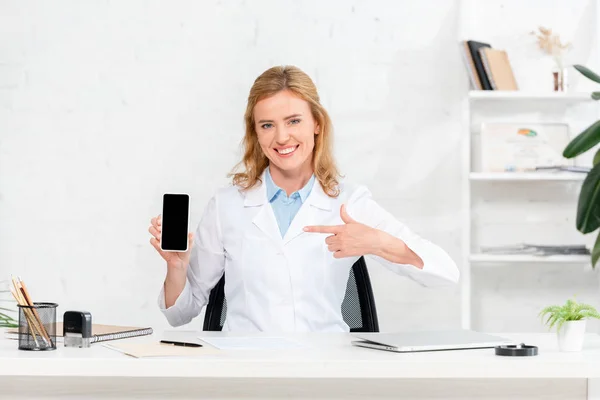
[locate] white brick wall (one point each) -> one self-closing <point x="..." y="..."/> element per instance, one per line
<point x="105" y="105"/>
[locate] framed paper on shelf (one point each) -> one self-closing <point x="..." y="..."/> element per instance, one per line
<point x="521" y="147"/>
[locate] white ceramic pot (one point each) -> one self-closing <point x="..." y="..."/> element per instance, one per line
<point x="570" y="335"/>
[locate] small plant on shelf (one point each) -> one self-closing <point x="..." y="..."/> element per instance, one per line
<point x="551" y="44"/>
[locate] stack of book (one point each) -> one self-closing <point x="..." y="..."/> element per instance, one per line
<point x="488" y="68"/>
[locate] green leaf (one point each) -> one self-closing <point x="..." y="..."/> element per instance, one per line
<point x="596" y="95"/>
<point x="597" y="158"/>
<point x="588" y="73"/>
<point x="588" y="207"/>
<point x="549" y="309"/>
<point x="570" y="304"/>
<point x="596" y="251"/>
<point x="592" y="314"/>
<point x="583" y="307"/>
<point x="584" y="141"/>
<point x="6" y="317"/>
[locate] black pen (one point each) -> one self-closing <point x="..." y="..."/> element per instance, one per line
<point x="181" y="343"/>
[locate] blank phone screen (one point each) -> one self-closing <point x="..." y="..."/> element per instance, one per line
<point x="175" y="222"/>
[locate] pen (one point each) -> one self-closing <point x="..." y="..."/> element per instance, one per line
<point x="181" y="343"/>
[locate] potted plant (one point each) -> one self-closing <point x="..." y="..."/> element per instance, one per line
<point x="588" y="207"/>
<point x="570" y="320"/>
<point x="550" y="43"/>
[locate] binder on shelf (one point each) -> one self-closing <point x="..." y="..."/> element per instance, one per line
<point x="497" y="68"/>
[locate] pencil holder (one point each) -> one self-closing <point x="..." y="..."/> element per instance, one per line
<point x="37" y="326"/>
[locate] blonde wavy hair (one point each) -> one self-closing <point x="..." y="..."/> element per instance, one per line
<point x="270" y="82"/>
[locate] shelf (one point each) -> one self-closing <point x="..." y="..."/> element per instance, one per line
<point x="568" y="97"/>
<point x="524" y="258"/>
<point x="527" y="176"/>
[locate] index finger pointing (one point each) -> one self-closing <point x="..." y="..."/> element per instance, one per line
<point x="323" y="228"/>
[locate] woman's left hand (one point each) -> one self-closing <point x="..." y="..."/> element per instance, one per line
<point x="351" y="239"/>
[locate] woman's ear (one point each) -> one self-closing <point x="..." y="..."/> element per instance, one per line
<point x="317" y="129"/>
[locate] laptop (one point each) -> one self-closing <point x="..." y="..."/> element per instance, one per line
<point x="429" y="340"/>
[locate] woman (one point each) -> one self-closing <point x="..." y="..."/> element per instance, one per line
<point x="288" y="231"/>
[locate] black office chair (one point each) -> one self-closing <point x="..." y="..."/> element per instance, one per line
<point x="358" y="307"/>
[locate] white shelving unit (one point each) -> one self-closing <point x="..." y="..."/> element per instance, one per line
<point x="482" y="105"/>
<point x="527" y="176"/>
<point x="494" y="95"/>
<point x="518" y="258"/>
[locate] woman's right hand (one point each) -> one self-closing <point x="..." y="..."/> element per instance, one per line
<point x="178" y="260"/>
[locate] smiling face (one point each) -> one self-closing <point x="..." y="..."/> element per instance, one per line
<point x="286" y="130"/>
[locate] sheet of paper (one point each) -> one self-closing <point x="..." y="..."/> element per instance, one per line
<point x="154" y="349"/>
<point x="251" y="343"/>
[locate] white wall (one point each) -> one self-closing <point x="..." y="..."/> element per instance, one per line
<point x="106" y="105"/>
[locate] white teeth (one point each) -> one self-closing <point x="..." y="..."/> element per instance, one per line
<point x="286" y="151"/>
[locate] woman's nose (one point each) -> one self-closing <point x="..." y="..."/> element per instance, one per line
<point x="282" y="134"/>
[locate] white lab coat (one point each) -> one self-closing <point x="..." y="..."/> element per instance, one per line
<point x="292" y="283"/>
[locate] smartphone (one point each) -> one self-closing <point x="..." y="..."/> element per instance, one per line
<point x="175" y="217"/>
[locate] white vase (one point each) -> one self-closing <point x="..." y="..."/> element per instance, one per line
<point x="570" y="335"/>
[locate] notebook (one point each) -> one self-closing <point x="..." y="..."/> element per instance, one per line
<point x="100" y="333"/>
<point x="497" y="68"/>
<point x="474" y="48"/>
<point x="470" y="64"/>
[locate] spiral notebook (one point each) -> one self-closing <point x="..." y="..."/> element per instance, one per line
<point x="100" y="333"/>
<point x="105" y="332"/>
<point x="498" y="69"/>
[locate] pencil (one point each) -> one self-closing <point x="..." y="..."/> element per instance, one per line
<point x="33" y="318"/>
<point x="37" y="316"/>
<point x="27" y="316"/>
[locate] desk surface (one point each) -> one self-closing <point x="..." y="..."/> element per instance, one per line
<point x="325" y="356"/>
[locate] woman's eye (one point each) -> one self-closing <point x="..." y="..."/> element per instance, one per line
<point x="294" y="121"/>
<point x="266" y="126"/>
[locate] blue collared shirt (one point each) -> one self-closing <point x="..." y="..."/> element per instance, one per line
<point x="285" y="208"/>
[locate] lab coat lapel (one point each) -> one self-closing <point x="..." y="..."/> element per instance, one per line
<point x="265" y="218"/>
<point x="307" y="214"/>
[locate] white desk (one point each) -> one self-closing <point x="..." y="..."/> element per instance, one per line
<point x="329" y="367"/>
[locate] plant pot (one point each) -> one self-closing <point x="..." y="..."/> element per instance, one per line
<point x="570" y="335"/>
